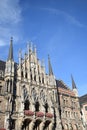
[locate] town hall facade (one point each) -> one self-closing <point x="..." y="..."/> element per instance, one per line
<point x="30" y="99"/>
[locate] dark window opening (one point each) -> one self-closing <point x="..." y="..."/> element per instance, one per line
<point x="86" y="108"/>
<point x="37" y="106"/>
<point x="0" y="89"/>
<point x="26" y="75"/>
<point x="22" y="74"/>
<point x="35" y="78"/>
<point x="46" y="107"/>
<point x="43" y="80"/>
<point x="39" y="79"/>
<point x="13" y="124"/>
<point x="31" y="76"/>
<point x="26" y="105"/>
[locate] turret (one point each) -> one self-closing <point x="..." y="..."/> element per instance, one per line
<point x="74" y="88"/>
<point x="51" y="75"/>
<point x="9" y="70"/>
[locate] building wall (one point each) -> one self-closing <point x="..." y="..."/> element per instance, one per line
<point x="31" y="100"/>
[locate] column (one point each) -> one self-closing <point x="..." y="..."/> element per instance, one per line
<point x="31" y="126"/>
<point x="50" y="126"/>
<point x="42" y="125"/>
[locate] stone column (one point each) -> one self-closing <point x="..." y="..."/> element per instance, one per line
<point x="42" y="125"/>
<point x="51" y="126"/>
<point x="31" y="126"/>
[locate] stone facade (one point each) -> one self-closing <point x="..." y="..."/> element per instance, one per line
<point x="83" y="103"/>
<point x="30" y="99"/>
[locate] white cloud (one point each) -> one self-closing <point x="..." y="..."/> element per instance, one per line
<point x="67" y="16"/>
<point x="10" y="18"/>
<point x="10" y="11"/>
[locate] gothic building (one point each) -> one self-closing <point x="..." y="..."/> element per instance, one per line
<point x="30" y="99"/>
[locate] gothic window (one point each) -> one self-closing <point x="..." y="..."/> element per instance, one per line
<point x="71" y="128"/>
<point x="37" y="106"/>
<point x="26" y="75"/>
<point x="25" y="93"/>
<point x="0" y="89"/>
<point x="75" y="127"/>
<point x="10" y="85"/>
<point x="26" y="105"/>
<point x="86" y="108"/>
<point x="35" y="78"/>
<point x="22" y="74"/>
<point x="42" y="95"/>
<point x="13" y="124"/>
<point x="66" y="127"/>
<point x="34" y="94"/>
<point x="14" y="106"/>
<point x="31" y="76"/>
<point x="39" y="79"/>
<point x="46" y="107"/>
<point x="7" y="84"/>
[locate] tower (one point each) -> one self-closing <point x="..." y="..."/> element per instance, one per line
<point x="9" y="70"/>
<point x="9" y="87"/>
<point x="74" y="88"/>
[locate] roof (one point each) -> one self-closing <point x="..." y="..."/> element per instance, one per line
<point x="2" y="65"/>
<point x="61" y="84"/>
<point x="83" y="99"/>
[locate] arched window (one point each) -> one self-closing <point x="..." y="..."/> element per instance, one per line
<point x="71" y="128"/>
<point x="7" y="85"/>
<point x="75" y="127"/>
<point x="22" y="74"/>
<point x="46" y="107"/>
<point x="10" y="85"/>
<point x="37" y="106"/>
<point x="66" y="127"/>
<point x="26" y="75"/>
<point x="34" y="77"/>
<point x="26" y="105"/>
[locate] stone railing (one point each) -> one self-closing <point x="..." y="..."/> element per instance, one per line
<point x="28" y="112"/>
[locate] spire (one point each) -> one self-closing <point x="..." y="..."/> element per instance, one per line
<point x="10" y="56"/>
<point x="50" y="67"/>
<point x="73" y="83"/>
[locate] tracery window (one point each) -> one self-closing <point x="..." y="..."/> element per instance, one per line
<point x="34" y="94"/>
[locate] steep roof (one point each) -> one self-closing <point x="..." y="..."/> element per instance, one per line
<point x="2" y="65"/>
<point x="61" y="84"/>
<point x="83" y="99"/>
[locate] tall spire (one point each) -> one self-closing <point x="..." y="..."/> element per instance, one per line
<point x="50" y="67"/>
<point x="10" y="56"/>
<point x="73" y="83"/>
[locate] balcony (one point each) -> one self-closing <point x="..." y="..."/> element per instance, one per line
<point x="49" y="115"/>
<point x="39" y="114"/>
<point x="28" y="112"/>
<point x="2" y="129"/>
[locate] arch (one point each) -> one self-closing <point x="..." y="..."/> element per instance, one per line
<point x="26" y="105"/>
<point x="66" y="127"/>
<point x="70" y="127"/>
<point x="75" y="127"/>
<point x="46" y="107"/>
<point x="37" y="106"/>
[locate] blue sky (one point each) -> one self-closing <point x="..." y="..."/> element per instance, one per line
<point x="56" y="27"/>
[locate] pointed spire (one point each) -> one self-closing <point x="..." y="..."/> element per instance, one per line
<point x="10" y="56"/>
<point x="73" y="83"/>
<point x="50" y="67"/>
